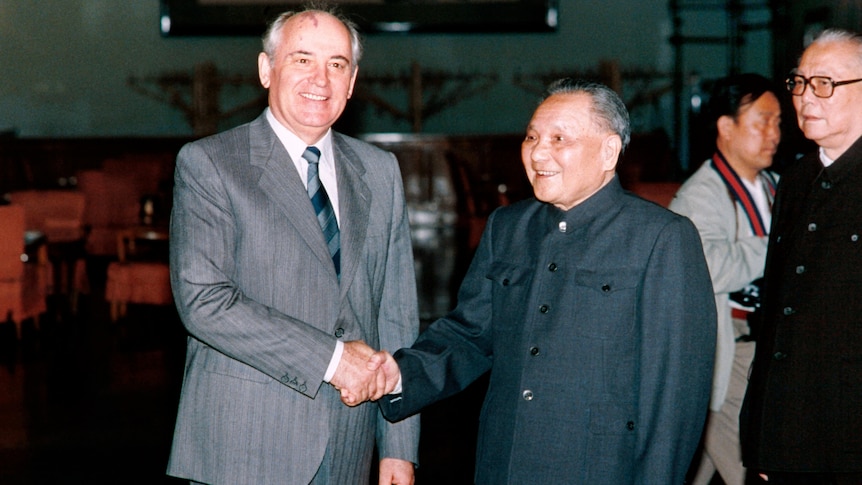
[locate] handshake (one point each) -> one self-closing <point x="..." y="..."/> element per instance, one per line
<point x="364" y="374"/>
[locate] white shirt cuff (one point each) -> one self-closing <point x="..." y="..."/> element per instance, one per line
<point x="397" y="389"/>
<point x="334" y="361"/>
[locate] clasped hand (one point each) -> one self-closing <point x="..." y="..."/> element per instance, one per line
<point x="364" y="374"/>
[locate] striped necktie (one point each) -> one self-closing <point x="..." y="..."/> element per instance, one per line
<point x="323" y="207"/>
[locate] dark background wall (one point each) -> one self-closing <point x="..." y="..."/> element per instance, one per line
<point x="66" y="66"/>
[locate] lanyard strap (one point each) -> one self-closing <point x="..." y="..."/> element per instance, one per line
<point x="740" y="193"/>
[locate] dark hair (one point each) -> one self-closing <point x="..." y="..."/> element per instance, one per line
<point x="732" y="93"/>
<point x="609" y="110"/>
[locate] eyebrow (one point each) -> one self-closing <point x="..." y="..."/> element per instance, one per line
<point x="311" y="54"/>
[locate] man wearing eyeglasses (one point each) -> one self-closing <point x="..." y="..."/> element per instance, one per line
<point x="801" y="422"/>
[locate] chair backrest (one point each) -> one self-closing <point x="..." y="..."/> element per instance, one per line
<point x="11" y="242"/>
<point x="59" y="214"/>
<point x="149" y="172"/>
<point x="659" y="192"/>
<point x="113" y="198"/>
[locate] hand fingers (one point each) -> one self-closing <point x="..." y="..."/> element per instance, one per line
<point x="380" y="386"/>
<point x="348" y="398"/>
<point x="376" y="360"/>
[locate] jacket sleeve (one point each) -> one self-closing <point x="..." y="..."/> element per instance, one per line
<point x="213" y="308"/>
<point x="678" y="328"/>
<point x="398" y="323"/>
<point x="455" y="350"/>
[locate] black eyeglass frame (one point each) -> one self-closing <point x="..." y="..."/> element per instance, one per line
<point x="791" y="83"/>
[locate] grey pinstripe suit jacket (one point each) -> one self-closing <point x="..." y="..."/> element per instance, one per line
<point x="257" y="291"/>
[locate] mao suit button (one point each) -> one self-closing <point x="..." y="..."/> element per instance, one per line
<point x="506" y="282"/>
<point x="854" y="237"/>
<point x="544" y="309"/>
<point x="339" y="332"/>
<point x="528" y="395"/>
<point x="562" y="226"/>
<point x="800" y="269"/>
<point x="788" y="311"/>
<point x="606" y="288"/>
<point x="826" y="184"/>
<point x="779" y="356"/>
<point x="812" y="227"/>
<point x="534" y="351"/>
<point x="552" y="267"/>
<point x="630" y="426"/>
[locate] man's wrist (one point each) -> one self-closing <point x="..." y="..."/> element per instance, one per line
<point x="334" y="361"/>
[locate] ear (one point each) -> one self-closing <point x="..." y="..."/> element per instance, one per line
<point x="352" y="82"/>
<point x="263" y="69"/>
<point x="724" y="124"/>
<point x="611" y="148"/>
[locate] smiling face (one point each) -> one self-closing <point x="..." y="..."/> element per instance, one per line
<point x="311" y="74"/>
<point x="567" y="156"/>
<point x="749" y="141"/>
<point x="834" y="123"/>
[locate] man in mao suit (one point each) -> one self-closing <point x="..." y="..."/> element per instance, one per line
<point x="592" y="309"/>
<point x="273" y="313"/>
<point x="801" y="420"/>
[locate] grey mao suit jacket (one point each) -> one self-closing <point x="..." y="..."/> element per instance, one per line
<point x="257" y="291"/>
<point x="598" y="327"/>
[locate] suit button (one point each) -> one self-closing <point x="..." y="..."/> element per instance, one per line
<point x="779" y="356"/>
<point x="339" y="332"/>
<point x="630" y="426"/>
<point x="826" y="184"/>
<point x="800" y="269"/>
<point x="812" y="227"/>
<point x="534" y="351"/>
<point x="544" y="309"/>
<point x="528" y="395"/>
<point x="552" y="267"/>
<point x="606" y="288"/>
<point x="788" y="311"/>
<point x="506" y="282"/>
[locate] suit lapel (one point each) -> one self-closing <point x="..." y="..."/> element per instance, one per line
<point x="354" y="207"/>
<point x="281" y="183"/>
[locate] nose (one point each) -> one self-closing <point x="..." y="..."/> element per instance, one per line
<point x="808" y="94"/>
<point x="774" y="133"/>
<point x="540" y="148"/>
<point x="320" y="76"/>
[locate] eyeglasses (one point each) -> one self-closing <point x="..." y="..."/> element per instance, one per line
<point x="822" y="86"/>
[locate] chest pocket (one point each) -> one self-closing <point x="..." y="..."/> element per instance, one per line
<point x="603" y="303"/>
<point x="507" y="274"/>
<point x="510" y="286"/>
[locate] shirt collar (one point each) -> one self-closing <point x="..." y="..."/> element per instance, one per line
<point x="825" y="160"/>
<point x="295" y="146"/>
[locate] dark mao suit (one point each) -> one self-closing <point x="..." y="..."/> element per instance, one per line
<point x="598" y="327"/>
<point x="803" y="408"/>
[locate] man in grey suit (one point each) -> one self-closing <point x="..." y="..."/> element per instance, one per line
<point x="592" y="309"/>
<point x="285" y="259"/>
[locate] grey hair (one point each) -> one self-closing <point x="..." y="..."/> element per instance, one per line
<point x="271" y="38"/>
<point x="840" y="35"/>
<point x="609" y="110"/>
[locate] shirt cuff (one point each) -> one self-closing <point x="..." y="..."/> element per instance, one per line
<point x="334" y="361"/>
<point x="397" y="389"/>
